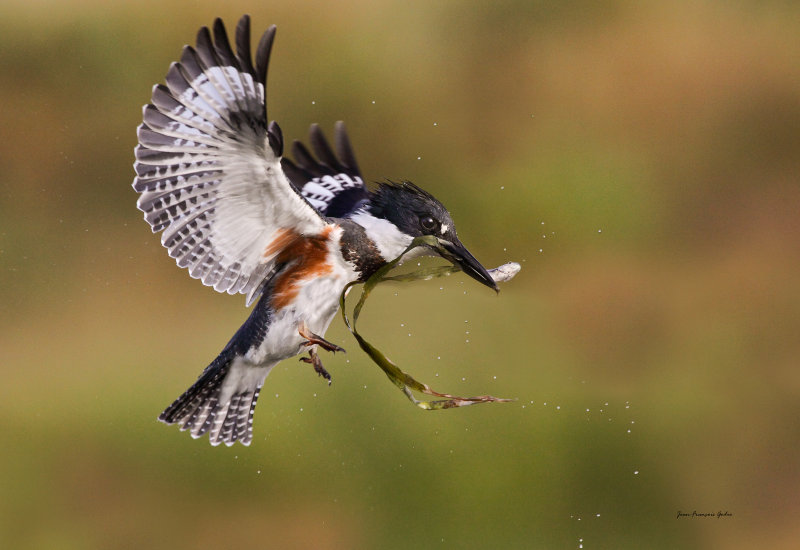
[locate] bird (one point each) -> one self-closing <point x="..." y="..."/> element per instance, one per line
<point x="243" y="218"/>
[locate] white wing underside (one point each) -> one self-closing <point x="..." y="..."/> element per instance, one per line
<point x="209" y="177"/>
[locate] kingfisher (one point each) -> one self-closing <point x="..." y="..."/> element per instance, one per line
<point x="244" y="219"/>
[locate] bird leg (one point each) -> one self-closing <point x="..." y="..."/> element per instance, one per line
<point x="317" y="364"/>
<point x="312" y="339"/>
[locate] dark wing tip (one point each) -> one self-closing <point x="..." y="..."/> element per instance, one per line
<point x="344" y="147"/>
<point x="326" y="161"/>
<point x="203" y="40"/>
<point x="243" y="50"/>
<point x="305" y="160"/>
<point x="263" y="52"/>
<point x="322" y="149"/>
<point x="223" y="45"/>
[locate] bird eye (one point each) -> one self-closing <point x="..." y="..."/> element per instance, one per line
<point x="427" y="223"/>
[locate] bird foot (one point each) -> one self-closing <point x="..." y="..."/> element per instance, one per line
<point x="314" y="339"/>
<point x="317" y="364"/>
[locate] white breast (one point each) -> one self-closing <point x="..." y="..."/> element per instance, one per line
<point x="316" y="304"/>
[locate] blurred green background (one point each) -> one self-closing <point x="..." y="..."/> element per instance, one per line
<point x="640" y="159"/>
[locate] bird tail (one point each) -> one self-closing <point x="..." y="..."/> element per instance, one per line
<point x="220" y="403"/>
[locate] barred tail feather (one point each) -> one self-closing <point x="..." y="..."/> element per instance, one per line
<point x="220" y="403"/>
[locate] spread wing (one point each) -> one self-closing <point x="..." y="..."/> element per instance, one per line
<point x="208" y="165"/>
<point x="333" y="185"/>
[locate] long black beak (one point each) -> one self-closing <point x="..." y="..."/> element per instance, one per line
<point x="461" y="257"/>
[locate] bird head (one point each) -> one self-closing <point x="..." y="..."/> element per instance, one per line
<point x="404" y="211"/>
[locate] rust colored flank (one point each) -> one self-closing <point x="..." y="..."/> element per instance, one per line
<point x="306" y="258"/>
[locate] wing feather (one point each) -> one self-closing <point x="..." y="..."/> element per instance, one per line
<point x="263" y="52"/>
<point x="243" y="47"/>
<point x="208" y="166"/>
<point x="322" y="149"/>
<point x="331" y="183"/>
<point x="345" y="149"/>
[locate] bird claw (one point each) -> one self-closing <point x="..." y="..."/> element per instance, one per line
<point x="314" y="339"/>
<point x="315" y="361"/>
